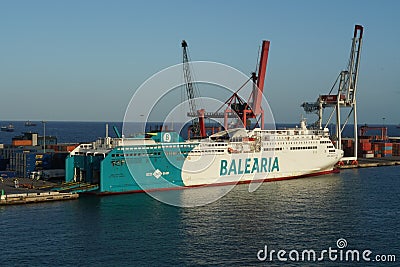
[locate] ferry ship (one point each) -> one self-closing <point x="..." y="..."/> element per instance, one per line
<point x="164" y="161"/>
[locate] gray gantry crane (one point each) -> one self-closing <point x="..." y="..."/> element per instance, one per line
<point x="345" y="98"/>
<point x="198" y="124"/>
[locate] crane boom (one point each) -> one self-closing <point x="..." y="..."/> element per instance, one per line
<point x="258" y="91"/>
<point x="188" y="78"/>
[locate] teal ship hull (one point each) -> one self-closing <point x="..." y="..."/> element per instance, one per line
<point x="132" y="168"/>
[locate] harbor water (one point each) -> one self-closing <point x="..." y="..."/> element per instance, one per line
<point x="359" y="207"/>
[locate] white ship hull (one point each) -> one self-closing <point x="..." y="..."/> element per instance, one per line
<point x="286" y="154"/>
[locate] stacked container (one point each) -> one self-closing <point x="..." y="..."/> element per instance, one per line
<point x="382" y="149"/>
<point x="365" y="148"/>
<point x="63" y="147"/>
<point x="375" y="148"/>
<point x="25" y="163"/>
<point x="387" y="150"/>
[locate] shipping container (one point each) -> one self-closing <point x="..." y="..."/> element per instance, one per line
<point x="21" y="142"/>
<point x="71" y="147"/>
<point x="368" y="156"/>
<point x="365" y="146"/>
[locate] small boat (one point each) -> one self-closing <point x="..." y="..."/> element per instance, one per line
<point x="29" y="123"/>
<point x="8" y="128"/>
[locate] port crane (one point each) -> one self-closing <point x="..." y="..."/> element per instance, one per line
<point x="198" y="125"/>
<point x="344" y="98"/>
<point x="236" y="106"/>
<point x="251" y="109"/>
<point x="383" y="132"/>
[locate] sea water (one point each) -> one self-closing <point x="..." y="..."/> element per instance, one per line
<point x="360" y="206"/>
<point x="355" y="210"/>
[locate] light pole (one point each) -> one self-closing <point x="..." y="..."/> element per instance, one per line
<point x="44" y="137"/>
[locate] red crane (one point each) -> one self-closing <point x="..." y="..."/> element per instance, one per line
<point x="258" y="90"/>
<point x="252" y="109"/>
<point x="235" y="106"/>
<point x="383" y="130"/>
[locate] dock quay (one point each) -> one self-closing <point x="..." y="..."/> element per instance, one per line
<point x="373" y="162"/>
<point x="10" y="199"/>
<point x="32" y="191"/>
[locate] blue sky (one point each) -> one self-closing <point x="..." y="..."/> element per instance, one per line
<point x="83" y="60"/>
